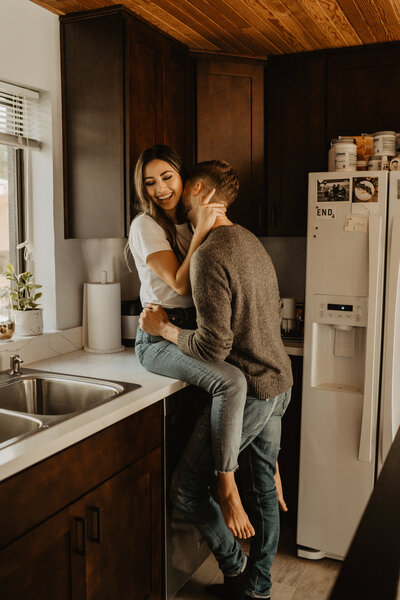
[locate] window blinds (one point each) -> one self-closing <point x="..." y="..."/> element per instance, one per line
<point x="19" y="116"/>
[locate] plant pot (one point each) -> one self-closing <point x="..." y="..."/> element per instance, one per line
<point x="29" y="322"/>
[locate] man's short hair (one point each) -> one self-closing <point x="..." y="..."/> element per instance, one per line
<point x="220" y="175"/>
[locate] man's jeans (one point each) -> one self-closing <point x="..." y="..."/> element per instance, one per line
<point x="190" y="490"/>
<point x="226" y="384"/>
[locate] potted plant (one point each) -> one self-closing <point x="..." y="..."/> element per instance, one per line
<point x="24" y="294"/>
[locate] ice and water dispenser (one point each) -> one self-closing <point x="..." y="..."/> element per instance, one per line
<point x="338" y="344"/>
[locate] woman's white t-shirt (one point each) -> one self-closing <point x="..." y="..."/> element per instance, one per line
<point x="146" y="236"/>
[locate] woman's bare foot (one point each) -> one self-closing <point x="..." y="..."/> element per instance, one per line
<point x="231" y="505"/>
<point x="279" y="490"/>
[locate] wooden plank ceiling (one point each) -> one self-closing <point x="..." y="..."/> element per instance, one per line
<point x="259" y="28"/>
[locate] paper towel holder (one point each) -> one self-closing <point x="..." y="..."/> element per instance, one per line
<point x="100" y="335"/>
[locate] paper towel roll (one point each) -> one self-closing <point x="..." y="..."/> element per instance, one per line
<point x="102" y="318"/>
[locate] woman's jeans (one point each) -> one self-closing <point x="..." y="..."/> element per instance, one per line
<point x="190" y="490"/>
<point x="226" y="384"/>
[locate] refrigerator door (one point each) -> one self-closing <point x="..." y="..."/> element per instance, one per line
<point x="390" y="394"/>
<point x="342" y="352"/>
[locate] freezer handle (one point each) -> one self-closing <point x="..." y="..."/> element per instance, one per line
<point x="390" y="393"/>
<point x="372" y="351"/>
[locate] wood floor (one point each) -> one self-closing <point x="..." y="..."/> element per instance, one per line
<point x="293" y="578"/>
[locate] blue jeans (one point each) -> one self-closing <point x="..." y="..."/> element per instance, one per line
<point x="190" y="490"/>
<point x="226" y="384"/>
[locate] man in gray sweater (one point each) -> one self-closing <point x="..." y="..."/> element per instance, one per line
<point x="237" y="302"/>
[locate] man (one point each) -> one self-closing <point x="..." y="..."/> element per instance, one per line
<point x="237" y="302"/>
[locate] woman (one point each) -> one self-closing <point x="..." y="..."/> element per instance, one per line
<point x="162" y="244"/>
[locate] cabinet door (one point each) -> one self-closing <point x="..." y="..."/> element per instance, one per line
<point x="361" y="90"/>
<point x="124" y="547"/>
<point x="175" y="112"/>
<point x="156" y="94"/>
<point x="230" y="126"/>
<point x="49" y="562"/>
<point x="295" y="138"/>
<point x="143" y="89"/>
<point x="93" y="126"/>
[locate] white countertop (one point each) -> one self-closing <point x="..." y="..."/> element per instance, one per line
<point x="293" y="348"/>
<point x="122" y="367"/>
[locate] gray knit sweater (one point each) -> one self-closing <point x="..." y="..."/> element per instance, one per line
<point x="236" y="295"/>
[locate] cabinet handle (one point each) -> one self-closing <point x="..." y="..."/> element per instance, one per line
<point x="94" y="534"/>
<point x="80" y="536"/>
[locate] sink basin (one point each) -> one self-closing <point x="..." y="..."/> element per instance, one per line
<point x="13" y="426"/>
<point x="35" y="400"/>
<point x="54" y="395"/>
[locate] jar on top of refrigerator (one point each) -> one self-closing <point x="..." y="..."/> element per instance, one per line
<point x="385" y="143"/>
<point x="342" y="154"/>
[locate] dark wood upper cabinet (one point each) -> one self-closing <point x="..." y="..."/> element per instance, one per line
<point x="94" y="136"/>
<point x="296" y="140"/>
<point x="312" y="98"/>
<point x="124" y="89"/>
<point x="230" y="126"/>
<point x="362" y="90"/>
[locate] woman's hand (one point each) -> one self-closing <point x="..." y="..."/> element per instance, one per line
<point x="208" y="213"/>
<point x="166" y="265"/>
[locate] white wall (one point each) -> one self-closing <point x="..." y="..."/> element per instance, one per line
<point x="30" y="56"/>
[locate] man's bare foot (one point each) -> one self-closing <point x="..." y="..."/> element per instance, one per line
<point x="231" y="506"/>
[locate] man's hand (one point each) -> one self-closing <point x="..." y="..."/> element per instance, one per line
<point x="154" y="320"/>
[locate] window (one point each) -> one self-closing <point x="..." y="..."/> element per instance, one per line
<point x="19" y="125"/>
<point x="11" y="208"/>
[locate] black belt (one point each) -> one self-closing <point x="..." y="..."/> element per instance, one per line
<point x="182" y="317"/>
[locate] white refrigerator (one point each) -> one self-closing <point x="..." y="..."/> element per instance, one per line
<point x="351" y="373"/>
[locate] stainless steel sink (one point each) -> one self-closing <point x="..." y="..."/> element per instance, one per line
<point x="54" y="395"/>
<point x="15" y="426"/>
<point x="33" y="400"/>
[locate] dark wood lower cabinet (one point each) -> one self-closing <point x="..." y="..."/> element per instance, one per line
<point x="105" y="545"/>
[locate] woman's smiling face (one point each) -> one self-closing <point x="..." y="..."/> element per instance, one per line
<point x="163" y="185"/>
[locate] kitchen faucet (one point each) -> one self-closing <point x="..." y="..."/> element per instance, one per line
<point x="15" y="362"/>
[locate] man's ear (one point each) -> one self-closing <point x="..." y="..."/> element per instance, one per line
<point x="197" y="187"/>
